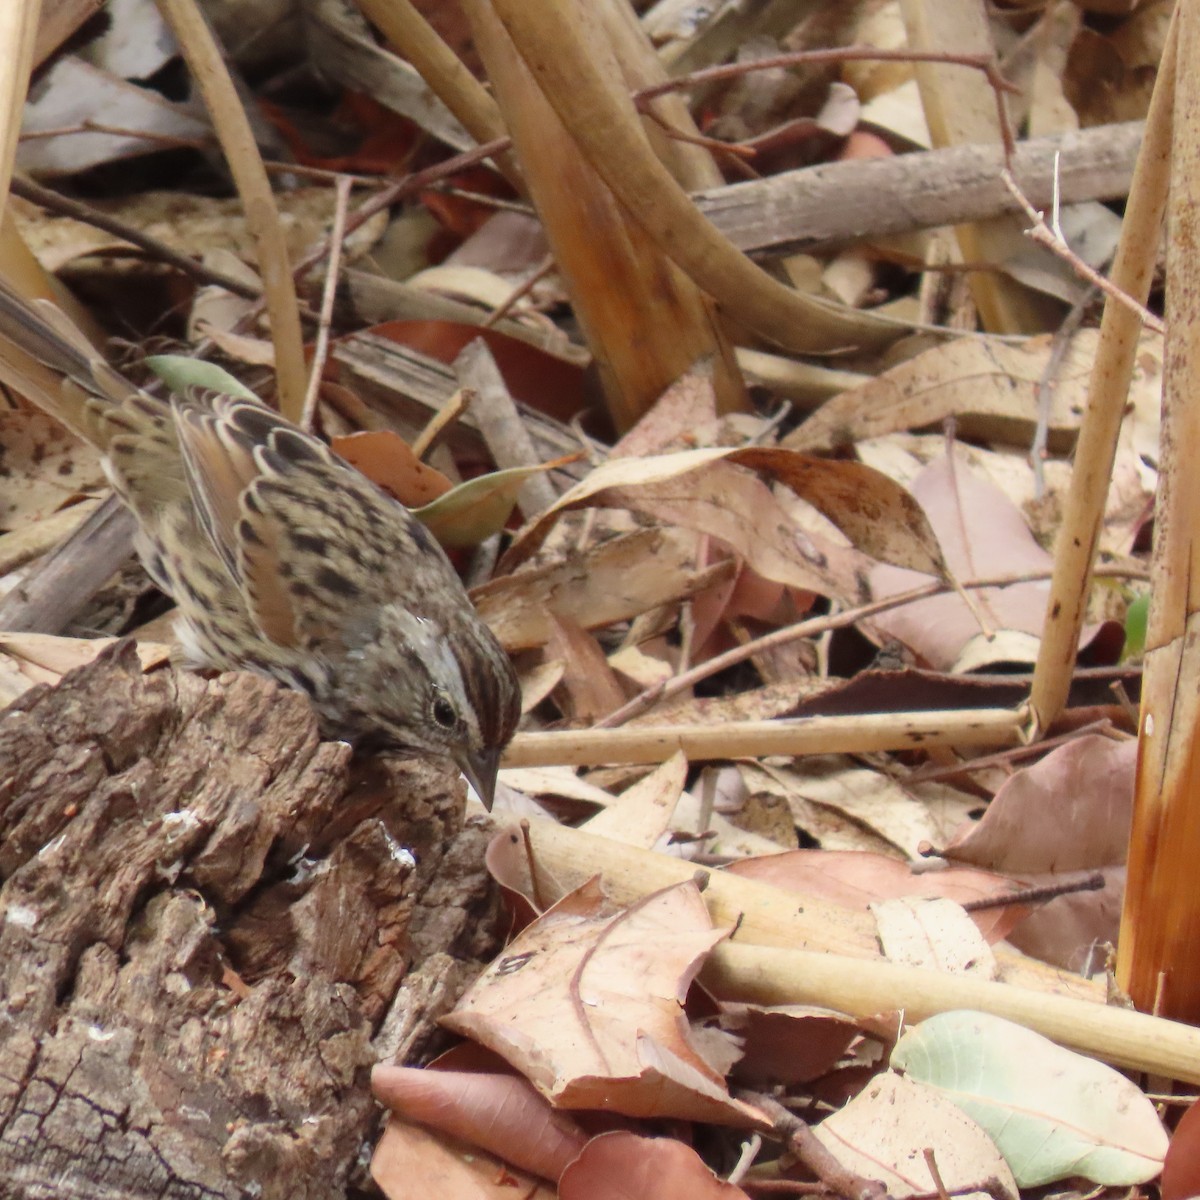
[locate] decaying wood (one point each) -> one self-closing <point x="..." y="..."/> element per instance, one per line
<point x="204" y="920"/>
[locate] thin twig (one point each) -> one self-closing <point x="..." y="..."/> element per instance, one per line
<point x="800" y="1140"/>
<point x="515" y="296"/>
<point x="1044" y="236"/>
<point x="1092" y="882"/>
<point x="815" y="626"/>
<point x="337" y="235"/>
<point x="56" y="202"/>
<point x="980" y="62"/>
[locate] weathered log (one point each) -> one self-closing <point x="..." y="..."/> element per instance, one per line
<point x="205" y="917"/>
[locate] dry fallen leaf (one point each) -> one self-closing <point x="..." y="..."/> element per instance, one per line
<point x="990" y="388"/>
<point x="42" y="467"/>
<point x="614" y="581"/>
<point x="878" y="516"/>
<point x="643" y="812"/>
<point x="587" y="1004"/>
<point x="982" y="533"/>
<point x="498" y="1113"/>
<point x="883" y="1132"/>
<point x="1067" y="814"/>
<point x="622" y="1166"/>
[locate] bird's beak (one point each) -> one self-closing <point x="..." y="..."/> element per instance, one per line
<point x="480" y="770"/>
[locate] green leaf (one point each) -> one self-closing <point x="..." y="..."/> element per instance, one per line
<point x="473" y="511"/>
<point x="1052" y="1113"/>
<point x="179" y="373"/>
<point x="1135" y="627"/>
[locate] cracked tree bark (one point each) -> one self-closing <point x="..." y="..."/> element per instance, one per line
<point x="209" y="930"/>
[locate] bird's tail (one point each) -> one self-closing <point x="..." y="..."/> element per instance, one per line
<point x="45" y="357"/>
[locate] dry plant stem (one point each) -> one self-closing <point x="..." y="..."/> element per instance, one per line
<point x="606" y="129"/>
<point x="518" y="293"/>
<point x="18" y="30"/>
<point x="864" y="198"/>
<point x="814" y="627"/>
<point x="1036" y="895"/>
<point x="1006" y="757"/>
<point x="769" y="975"/>
<point x="860" y="733"/>
<point x="938" y="1182"/>
<point x="72" y="573"/>
<point x="337" y="234"/>
<point x="1041" y="233"/>
<point x="757" y="913"/>
<point x="1108" y="387"/>
<point x="385" y="198"/>
<point x="799" y="1138"/>
<point x="1047" y="384"/>
<point x="262" y="216"/>
<point x="1160" y="924"/>
<point x="447" y="77"/>
<point x="56" y="202"/>
<point x="645" y="321"/>
<point x="960" y="109"/>
<point x="692" y="165"/>
<point x="442" y="422"/>
<point x="500" y="424"/>
<point x="750" y="1151"/>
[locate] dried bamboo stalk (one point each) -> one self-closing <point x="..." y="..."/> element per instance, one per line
<point x="1083" y="512"/>
<point x="750" y="739"/>
<point x="1159" y="950"/>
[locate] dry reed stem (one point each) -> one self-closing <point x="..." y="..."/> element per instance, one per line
<point x="1095" y="449"/>
<point x="1159" y="950"/>
<point x="233" y="130"/>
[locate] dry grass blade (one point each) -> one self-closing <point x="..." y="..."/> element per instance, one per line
<point x="233" y="130"/>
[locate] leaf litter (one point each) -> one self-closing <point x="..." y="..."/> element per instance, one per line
<point x="691" y="535"/>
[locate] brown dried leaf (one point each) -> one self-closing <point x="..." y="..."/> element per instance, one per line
<point x="989" y="387"/>
<point x="857" y="879"/>
<point x="587" y="1004"/>
<point x="615" y="580"/>
<point x="982" y="533"/>
<point x="386" y="459"/>
<point x="877" y="515"/>
<point x="411" y="1161"/>
<point x="619" y="1165"/>
<point x="1068" y="813"/>
<point x="589" y="689"/>
<point x="499" y="1113"/>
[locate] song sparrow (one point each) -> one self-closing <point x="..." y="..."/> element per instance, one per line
<point x="282" y="558"/>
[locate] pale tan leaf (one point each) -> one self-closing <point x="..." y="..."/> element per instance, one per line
<point x="936" y="934"/>
<point x="877" y="515"/>
<point x="587" y="1004"/>
<point x="989" y="387"/>
<point x="643" y="812"/>
<point x="883" y="1133"/>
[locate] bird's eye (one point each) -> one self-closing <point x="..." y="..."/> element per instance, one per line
<point x="443" y="713"/>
